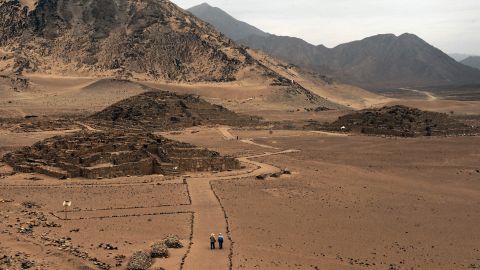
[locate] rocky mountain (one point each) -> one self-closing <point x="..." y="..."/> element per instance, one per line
<point x="472" y="61"/>
<point x="382" y="61"/>
<point x="225" y="23"/>
<point x="291" y="49"/>
<point x="135" y="40"/>
<point x="395" y="61"/>
<point x="125" y="37"/>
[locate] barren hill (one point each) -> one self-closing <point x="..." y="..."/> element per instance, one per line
<point x="122" y="37"/>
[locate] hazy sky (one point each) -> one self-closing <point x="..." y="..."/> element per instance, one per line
<point x="451" y="25"/>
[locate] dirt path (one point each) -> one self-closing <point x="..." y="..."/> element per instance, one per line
<point x="258" y="144"/>
<point x="226" y="133"/>
<point x="89" y="128"/>
<point x="330" y="133"/>
<point x="210" y="218"/>
<point x="430" y="96"/>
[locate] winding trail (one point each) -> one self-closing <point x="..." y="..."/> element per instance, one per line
<point x="428" y="95"/>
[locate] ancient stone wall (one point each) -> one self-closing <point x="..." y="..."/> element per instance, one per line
<point x="114" y="154"/>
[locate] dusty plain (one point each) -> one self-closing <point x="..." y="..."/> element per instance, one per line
<point x="351" y="202"/>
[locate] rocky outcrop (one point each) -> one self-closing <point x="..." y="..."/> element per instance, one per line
<point x="119" y="37"/>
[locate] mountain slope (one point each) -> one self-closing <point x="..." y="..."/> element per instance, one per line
<point x="139" y="40"/>
<point x="225" y="23"/>
<point x="124" y="37"/>
<point x="382" y="61"/>
<point x="472" y="61"/>
<point x="293" y="50"/>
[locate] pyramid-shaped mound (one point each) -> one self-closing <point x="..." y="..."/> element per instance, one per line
<point x="401" y="121"/>
<point x="163" y="110"/>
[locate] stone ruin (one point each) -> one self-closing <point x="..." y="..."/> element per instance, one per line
<point x="94" y="155"/>
<point x="399" y="121"/>
<point x="162" y="110"/>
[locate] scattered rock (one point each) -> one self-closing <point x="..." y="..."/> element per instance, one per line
<point x="34" y="178"/>
<point x="107" y="246"/>
<point x="159" y="250"/>
<point x="172" y="241"/>
<point x="119" y="259"/>
<point x="26" y="264"/>
<point x="261" y="177"/>
<point x="140" y="260"/>
<point x="276" y="175"/>
<point x="29" y="204"/>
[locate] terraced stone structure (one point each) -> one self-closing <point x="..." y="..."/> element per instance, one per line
<point x="95" y="155"/>
<point x="401" y="121"/>
<point x="162" y="110"/>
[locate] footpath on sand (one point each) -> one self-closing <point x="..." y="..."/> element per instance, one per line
<point x="210" y="218"/>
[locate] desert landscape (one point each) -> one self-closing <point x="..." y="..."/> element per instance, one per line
<point x="130" y="131"/>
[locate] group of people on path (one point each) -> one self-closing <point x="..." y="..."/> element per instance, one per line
<point x="213" y="240"/>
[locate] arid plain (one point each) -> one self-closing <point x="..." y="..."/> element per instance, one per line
<point x="351" y="201"/>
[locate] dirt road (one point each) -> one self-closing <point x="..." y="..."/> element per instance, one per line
<point x="428" y="95"/>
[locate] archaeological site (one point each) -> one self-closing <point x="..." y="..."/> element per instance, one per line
<point x="114" y="154"/>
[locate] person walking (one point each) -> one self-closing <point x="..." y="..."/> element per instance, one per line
<point x="220" y="241"/>
<point x="212" y="241"/>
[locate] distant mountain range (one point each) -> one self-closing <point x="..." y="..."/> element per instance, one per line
<point x="459" y="56"/>
<point x="225" y="23"/>
<point x="472" y="61"/>
<point x="382" y="61"/>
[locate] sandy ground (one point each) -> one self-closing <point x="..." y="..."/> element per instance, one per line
<point x="352" y="202"/>
<point x="128" y="214"/>
<point x="383" y="204"/>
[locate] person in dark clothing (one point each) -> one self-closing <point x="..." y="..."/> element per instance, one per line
<point x="220" y="241"/>
<point x="212" y="241"/>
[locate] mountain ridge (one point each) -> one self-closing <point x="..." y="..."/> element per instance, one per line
<point x="234" y="27"/>
<point x="381" y="61"/>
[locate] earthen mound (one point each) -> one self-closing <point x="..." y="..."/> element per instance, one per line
<point x="115" y="154"/>
<point x="400" y="121"/>
<point x="166" y="111"/>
